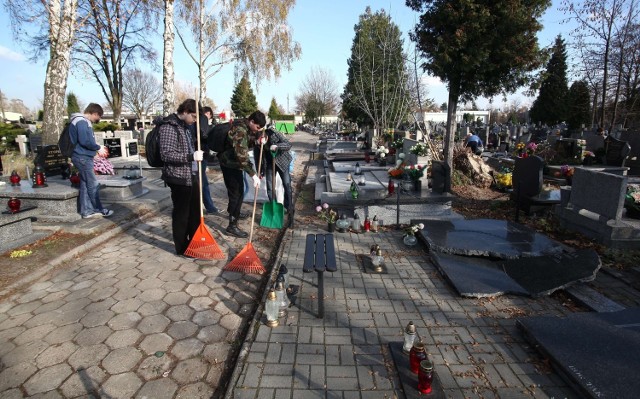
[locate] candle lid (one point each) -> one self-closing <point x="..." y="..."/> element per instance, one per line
<point x="426" y="365"/>
<point x="271" y="295"/>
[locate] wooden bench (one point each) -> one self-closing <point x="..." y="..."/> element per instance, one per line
<point x="320" y="256"/>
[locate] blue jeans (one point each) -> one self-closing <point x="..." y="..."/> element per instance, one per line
<point x="89" y="197"/>
<point x="206" y="194"/>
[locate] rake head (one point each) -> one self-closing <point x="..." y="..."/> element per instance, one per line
<point x="246" y="261"/>
<point x="203" y="245"/>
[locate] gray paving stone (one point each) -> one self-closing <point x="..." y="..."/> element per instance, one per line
<point x="205" y="318"/>
<point x="179" y="313"/>
<point x="33" y="334"/>
<point x="55" y="354"/>
<point x="158" y="389"/>
<point x="87" y="356"/>
<point x="122" y="385"/>
<point x="121" y="360"/>
<point x="24" y="353"/>
<point x="156" y="342"/>
<point x="187" y="348"/>
<point x="16" y="375"/>
<point x="153" y="324"/>
<point x="124" y="321"/>
<point x="47" y="379"/>
<point x="154" y="367"/>
<point x="92" y="336"/>
<point x="182" y="329"/>
<point x="83" y="382"/>
<point x="176" y="298"/>
<point x="189" y="371"/>
<point x="199" y="390"/>
<point x="213" y="333"/>
<point x="152" y="308"/>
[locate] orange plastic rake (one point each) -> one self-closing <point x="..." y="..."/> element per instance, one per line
<point x="202" y="245"/>
<point x="247" y="260"/>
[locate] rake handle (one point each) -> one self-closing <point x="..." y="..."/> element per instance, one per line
<point x="199" y="162"/>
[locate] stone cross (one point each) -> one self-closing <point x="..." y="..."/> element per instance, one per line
<point x="22" y="141"/>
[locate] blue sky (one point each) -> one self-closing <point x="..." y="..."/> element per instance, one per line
<point x="323" y="28"/>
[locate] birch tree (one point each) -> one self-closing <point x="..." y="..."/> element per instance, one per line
<point x="56" y="36"/>
<point x="168" y="73"/>
<point x="253" y="35"/>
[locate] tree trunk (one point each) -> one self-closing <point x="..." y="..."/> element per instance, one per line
<point x="451" y="129"/>
<point x="168" y="74"/>
<point x="61" y="36"/>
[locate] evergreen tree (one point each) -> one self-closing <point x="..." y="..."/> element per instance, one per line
<point x="550" y="107"/>
<point x="243" y="101"/>
<point x="579" y="109"/>
<point x="274" y="110"/>
<point x="72" y="104"/>
<point x="478" y="48"/>
<point x="376" y="90"/>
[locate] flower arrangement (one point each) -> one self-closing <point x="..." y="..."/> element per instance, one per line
<point x="520" y="149"/>
<point x="396" y="173"/>
<point x="632" y="200"/>
<point x="398" y="143"/>
<point x="567" y="171"/>
<point x="327" y="214"/>
<point x="531" y="148"/>
<point x="382" y="151"/>
<point x="419" y="149"/>
<point x="504" y="180"/>
<point x="414" y="172"/>
<point x="102" y="166"/>
<point x="412" y="230"/>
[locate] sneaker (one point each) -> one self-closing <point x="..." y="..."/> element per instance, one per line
<point x="106" y="212"/>
<point x="92" y="215"/>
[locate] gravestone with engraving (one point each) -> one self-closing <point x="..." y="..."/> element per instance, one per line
<point x="441" y="183"/>
<point x="114" y="145"/>
<point x="52" y="161"/>
<point x="132" y="148"/>
<point x="35" y="141"/>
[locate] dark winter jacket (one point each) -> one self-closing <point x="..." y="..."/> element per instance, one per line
<point x="176" y="151"/>
<point x="237" y="155"/>
<point x="283" y="155"/>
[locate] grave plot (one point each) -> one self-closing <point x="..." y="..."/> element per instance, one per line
<point x="484" y="258"/>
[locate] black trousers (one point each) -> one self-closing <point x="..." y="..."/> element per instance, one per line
<point x="185" y="216"/>
<point x="234" y="181"/>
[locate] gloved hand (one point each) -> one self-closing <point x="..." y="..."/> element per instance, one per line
<point x="198" y="155"/>
<point x="273" y="148"/>
<point x="262" y="140"/>
<point x="256" y="181"/>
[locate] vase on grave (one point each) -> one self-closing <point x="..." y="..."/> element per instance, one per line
<point x="417" y="185"/>
<point x="331" y="227"/>
<point x="13" y="205"/>
<point x="409" y="240"/>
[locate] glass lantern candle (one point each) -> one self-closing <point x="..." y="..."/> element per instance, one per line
<point x="356" y="226"/>
<point x="367" y="156"/>
<point x="425" y="376"/>
<point x="284" y="272"/>
<point x="281" y="296"/>
<point x="14" y="205"/>
<point x="362" y="181"/>
<point x="391" y="188"/>
<point x="343" y="223"/>
<point x="271" y="309"/>
<point x="367" y="224"/>
<point x="375" y="224"/>
<point x="377" y="260"/>
<point x="14" y="178"/>
<point x="354" y="190"/>
<point x="416" y="355"/>
<point x="410" y="335"/>
<point x="38" y="179"/>
<point x="358" y="170"/>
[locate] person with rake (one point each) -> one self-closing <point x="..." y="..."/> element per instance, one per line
<point x="180" y="173"/>
<point x="234" y="161"/>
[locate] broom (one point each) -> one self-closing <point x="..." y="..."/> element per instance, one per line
<point x="202" y="245"/>
<point x="247" y="260"/>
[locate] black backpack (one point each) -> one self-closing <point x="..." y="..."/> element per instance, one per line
<point x="152" y="144"/>
<point x="65" y="143"/>
<point x="218" y="134"/>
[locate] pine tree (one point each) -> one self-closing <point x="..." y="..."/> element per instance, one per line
<point x="550" y="107"/>
<point x="274" y="109"/>
<point x="243" y="101"/>
<point x="376" y="90"/>
<point x="72" y="104"/>
<point x="579" y="108"/>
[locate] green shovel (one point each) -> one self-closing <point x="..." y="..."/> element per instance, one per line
<point x="272" y="212"/>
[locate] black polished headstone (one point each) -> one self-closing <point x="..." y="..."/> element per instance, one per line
<point x="487" y="237"/>
<point x="114" y="145"/>
<point x="597" y="353"/>
<point x="52" y="160"/>
<point x="475" y="277"/>
<point x="527" y="176"/>
<point x="440" y="181"/>
<point x="542" y="275"/>
<point x="35" y="141"/>
<point x="132" y="148"/>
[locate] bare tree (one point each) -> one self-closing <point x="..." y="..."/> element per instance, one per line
<point x="56" y="35"/>
<point x="168" y="74"/>
<point x="253" y="35"/>
<point x="114" y="36"/>
<point x="318" y="94"/>
<point x="599" y="23"/>
<point x="141" y="92"/>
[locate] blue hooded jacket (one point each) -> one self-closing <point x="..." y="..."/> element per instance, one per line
<point x="81" y="133"/>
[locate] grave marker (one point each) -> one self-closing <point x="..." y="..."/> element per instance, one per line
<point x="114" y="145"/>
<point x="52" y="160"/>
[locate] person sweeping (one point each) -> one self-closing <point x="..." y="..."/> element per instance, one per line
<point x="180" y="173"/>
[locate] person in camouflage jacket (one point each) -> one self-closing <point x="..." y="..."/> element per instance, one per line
<point x="234" y="160"/>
